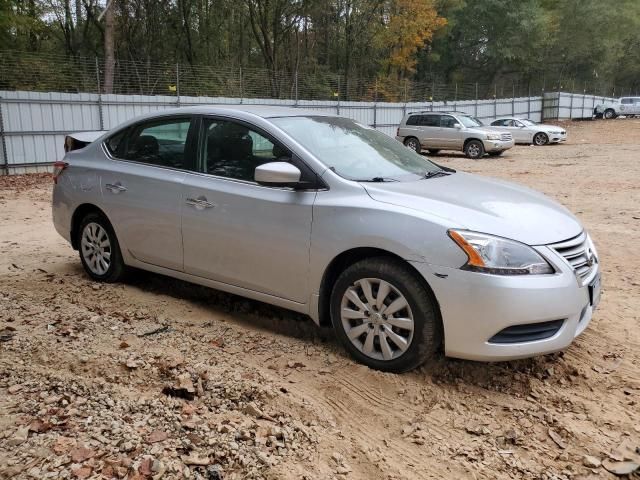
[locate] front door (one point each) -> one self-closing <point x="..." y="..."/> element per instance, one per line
<point x="238" y="232"/>
<point x="142" y="188"/>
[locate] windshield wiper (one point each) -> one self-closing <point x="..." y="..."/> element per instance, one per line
<point x="436" y="173"/>
<point x="379" y="180"/>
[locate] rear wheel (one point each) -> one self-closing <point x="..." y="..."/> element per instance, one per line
<point x="99" y="249"/>
<point x="413" y="143"/>
<point x="434" y="151"/>
<point x="540" y="139"/>
<point x="384" y="316"/>
<point x="609" y="113"/>
<point x="474" y="149"/>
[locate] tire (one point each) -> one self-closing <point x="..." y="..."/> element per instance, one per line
<point x="496" y="154"/>
<point x="413" y="143"/>
<point x="434" y="151"/>
<point x="102" y="262"/>
<point x="540" y="139"/>
<point x="609" y="114"/>
<point x="474" y="149"/>
<point x="420" y="342"/>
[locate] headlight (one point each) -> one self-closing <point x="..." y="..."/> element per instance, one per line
<point x="493" y="136"/>
<point x="489" y="254"/>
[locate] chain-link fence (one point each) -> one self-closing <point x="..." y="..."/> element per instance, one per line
<point x="60" y="73"/>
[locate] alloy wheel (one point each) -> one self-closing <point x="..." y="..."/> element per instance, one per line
<point x="377" y="319"/>
<point x="96" y="248"/>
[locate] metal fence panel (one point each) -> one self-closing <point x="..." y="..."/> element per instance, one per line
<point x="34" y="123"/>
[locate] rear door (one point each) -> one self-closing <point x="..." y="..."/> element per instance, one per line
<point x="142" y="189"/>
<point x="241" y="233"/>
<point x="430" y="131"/>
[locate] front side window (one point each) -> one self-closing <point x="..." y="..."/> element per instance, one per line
<point x="447" y="121"/>
<point x="160" y="142"/>
<point x="354" y="151"/>
<point x="626" y="101"/>
<point x="499" y="123"/>
<point x="233" y="150"/>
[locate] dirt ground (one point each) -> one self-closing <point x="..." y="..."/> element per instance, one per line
<point x="159" y="378"/>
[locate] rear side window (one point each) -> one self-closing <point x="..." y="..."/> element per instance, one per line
<point x="414" y="120"/>
<point x="162" y="143"/>
<point x="431" y="120"/>
<point x="626" y="101"/>
<point x="499" y="123"/>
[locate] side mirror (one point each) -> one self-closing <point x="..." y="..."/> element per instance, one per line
<point x="457" y="125"/>
<point x="277" y="174"/>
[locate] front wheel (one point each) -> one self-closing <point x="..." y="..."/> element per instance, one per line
<point x="99" y="249"/>
<point x="413" y="143"/>
<point x="384" y="316"/>
<point x="540" y="139"/>
<point x="474" y="149"/>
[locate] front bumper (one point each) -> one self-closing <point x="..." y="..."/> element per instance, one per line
<point x="557" y="137"/>
<point x="476" y="306"/>
<point x="497" y="145"/>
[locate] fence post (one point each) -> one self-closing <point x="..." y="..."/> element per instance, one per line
<point x="455" y="99"/>
<point x="584" y="94"/>
<point x="3" y="143"/>
<point x="295" y="79"/>
<point x="433" y="92"/>
<point x="529" y="102"/>
<point x="404" y="107"/>
<point x="100" y="112"/>
<point x="178" y="84"/>
<point x="338" y="104"/>
<point x="375" y="105"/>
<point x="571" y="107"/>
<point x="241" y="87"/>
<point x="513" y="99"/>
<point x="475" y="110"/>
<point x="495" y="100"/>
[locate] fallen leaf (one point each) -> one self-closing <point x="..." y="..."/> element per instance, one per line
<point x="82" y="472"/>
<point x="157" y="436"/>
<point x="81" y="453"/>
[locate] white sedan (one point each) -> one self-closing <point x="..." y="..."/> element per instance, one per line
<point x="528" y="131"/>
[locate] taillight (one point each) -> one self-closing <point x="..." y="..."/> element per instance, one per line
<point x="58" y="168"/>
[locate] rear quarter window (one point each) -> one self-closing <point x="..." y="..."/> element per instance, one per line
<point x="115" y="144"/>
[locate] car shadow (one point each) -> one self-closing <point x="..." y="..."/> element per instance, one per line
<point x="245" y="311"/>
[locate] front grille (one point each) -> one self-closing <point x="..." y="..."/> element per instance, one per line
<point x="506" y="137"/>
<point x="578" y="253"/>
<point x="529" y="332"/>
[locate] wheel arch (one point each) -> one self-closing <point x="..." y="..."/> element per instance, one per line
<point x="467" y="140"/>
<point x="79" y="213"/>
<point x="347" y="258"/>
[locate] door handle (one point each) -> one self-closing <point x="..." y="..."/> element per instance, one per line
<point x="115" y="187"/>
<point x="199" y="203"/>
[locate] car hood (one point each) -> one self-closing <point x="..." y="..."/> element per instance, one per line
<point x="546" y="128"/>
<point x="483" y="205"/>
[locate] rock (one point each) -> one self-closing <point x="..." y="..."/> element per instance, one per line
<point x="476" y="428"/>
<point x="214" y="472"/>
<point x="82" y="472"/>
<point x="133" y="363"/>
<point x="253" y="410"/>
<point x="81" y="453"/>
<point x="620" y="468"/>
<point x="337" y="457"/>
<point x="13" y="389"/>
<point x="343" y="470"/>
<point x="145" y="467"/>
<point x="63" y="445"/>
<point x="557" y="439"/>
<point x="193" y="459"/>
<point x="591" y="461"/>
<point x="19" y="437"/>
<point x="157" y="436"/>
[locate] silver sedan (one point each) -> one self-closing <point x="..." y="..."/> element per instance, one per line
<point x="529" y="132"/>
<point x="331" y="218"/>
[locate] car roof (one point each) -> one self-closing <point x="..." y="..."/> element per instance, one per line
<point x="437" y="112"/>
<point x="264" y="111"/>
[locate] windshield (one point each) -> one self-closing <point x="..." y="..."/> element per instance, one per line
<point x="527" y="122"/>
<point x="470" y="121"/>
<point x="354" y="151"/>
